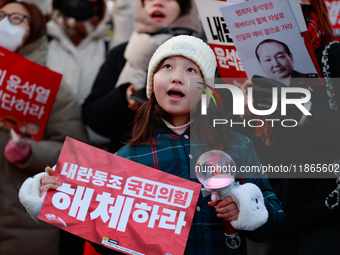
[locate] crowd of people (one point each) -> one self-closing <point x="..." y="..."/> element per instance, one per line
<point x="157" y="58"/>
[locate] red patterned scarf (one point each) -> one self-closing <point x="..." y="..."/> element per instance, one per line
<point x="314" y="29"/>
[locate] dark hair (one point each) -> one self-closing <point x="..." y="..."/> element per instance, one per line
<point x="37" y="20"/>
<point x="287" y="50"/>
<point x="100" y="7"/>
<point x="185" y="6"/>
<point x="150" y="115"/>
<point x="319" y="7"/>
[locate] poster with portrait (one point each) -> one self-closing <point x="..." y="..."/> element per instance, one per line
<point x="269" y="41"/>
<point x="122" y="205"/>
<point x="27" y="94"/>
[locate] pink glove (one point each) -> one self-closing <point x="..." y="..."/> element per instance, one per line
<point x="15" y="153"/>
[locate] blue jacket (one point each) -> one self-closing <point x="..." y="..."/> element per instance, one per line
<point x="173" y="154"/>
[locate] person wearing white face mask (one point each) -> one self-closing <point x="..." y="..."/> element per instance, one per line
<point x="23" y="30"/>
<point x="15" y="27"/>
<point x="18" y="29"/>
<point x="12" y="33"/>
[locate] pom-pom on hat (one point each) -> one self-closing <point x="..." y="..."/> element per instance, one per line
<point x="187" y="46"/>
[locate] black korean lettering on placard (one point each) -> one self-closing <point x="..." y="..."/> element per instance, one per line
<point x="226" y="31"/>
<point x="221" y="31"/>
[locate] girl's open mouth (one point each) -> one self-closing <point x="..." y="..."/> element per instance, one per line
<point x="175" y="95"/>
<point x="157" y="15"/>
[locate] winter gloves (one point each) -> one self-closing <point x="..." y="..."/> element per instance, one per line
<point x="29" y="195"/>
<point x="252" y="210"/>
<point x="17" y="149"/>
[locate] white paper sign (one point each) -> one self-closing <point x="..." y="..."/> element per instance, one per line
<point x="254" y="21"/>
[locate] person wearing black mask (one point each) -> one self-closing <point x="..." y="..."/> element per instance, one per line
<point x="77" y="49"/>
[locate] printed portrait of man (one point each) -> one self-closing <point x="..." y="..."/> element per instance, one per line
<point x="277" y="62"/>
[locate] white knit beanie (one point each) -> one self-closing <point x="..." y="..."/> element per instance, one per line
<point x="187" y="46"/>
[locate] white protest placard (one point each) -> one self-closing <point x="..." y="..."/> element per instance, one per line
<point x="254" y="21"/>
<point x="228" y="60"/>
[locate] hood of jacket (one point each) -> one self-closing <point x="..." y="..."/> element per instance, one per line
<point x="56" y="31"/>
<point x="36" y="51"/>
<point x="143" y="23"/>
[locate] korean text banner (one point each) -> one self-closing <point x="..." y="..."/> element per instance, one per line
<point x="27" y="94"/>
<point x="228" y="61"/>
<point x="119" y="203"/>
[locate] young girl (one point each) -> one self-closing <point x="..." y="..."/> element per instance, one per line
<point x="161" y="139"/>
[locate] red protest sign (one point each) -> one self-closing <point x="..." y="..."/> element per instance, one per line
<point x="122" y="204"/>
<point x="228" y="61"/>
<point x="219" y="38"/>
<point x="27" y="94"/>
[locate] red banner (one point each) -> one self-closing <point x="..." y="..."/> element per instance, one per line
<point x="119" y="203"/>
<point x="228" y="61"/>
<point x="27" y="94"/>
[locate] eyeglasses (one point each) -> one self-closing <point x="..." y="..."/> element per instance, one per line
<point x="15" y="18"/>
